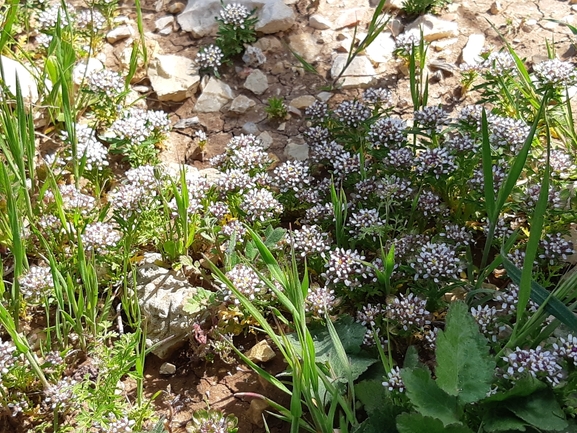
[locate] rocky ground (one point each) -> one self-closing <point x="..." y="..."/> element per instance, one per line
<point x="321" y="32"/>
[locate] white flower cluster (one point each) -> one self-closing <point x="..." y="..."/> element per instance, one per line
<point x="72" y="199"/>
<point x="209" y="58"/>
<point x="137" y="125"/>
<point x="537" y="362"/>
<point x="100" y="237"/>
<point x="352" y="113"/>
<point x="320" y="301"/>
<point x="60" y="395"/>
<point x="48" y="18"/>
<point x="387" y="132"/>
<point x="365" y="219"/>
<point x="436" y="161"/>
<point x="260" y="205"/>
<point x="106" y="81"/>
<point x="346" y="266"/>
<point x="310" y="239"/>
<point x="555" y="248"/>
<point x="394" y="380"/>
<point x="377" y="95"/>
<point x="87" y="146"/>
<point x="409" y="312"/>
<point x="246" y="281"/>
<point x="486" y="317"/>
<point x="292" y="176"/>
<point x="567" y="347"/>
<point x="556" y="72"/>
<point x="36" y="282"/>
<point x="91" y="19"/>
<point x="438" y="261"/>
<point x="234" y="14"/>
<point x="7" y="358"/>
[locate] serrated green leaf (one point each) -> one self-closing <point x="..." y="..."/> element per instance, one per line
<point x="357" y="365"/>
<point x="411" y="357"/>
<point x="464" y="367"/>
<point x="272" y="237"/>
<point x="501" y="420"/>
<point x="540" y="410"/>
<point x="417" y="423"/>
<point x="525" y="386"/>
<point x="250" y="251"/>
<point x="199" y="301"/>
<point x="428" y="398"/>
<point x="371" y="394"/>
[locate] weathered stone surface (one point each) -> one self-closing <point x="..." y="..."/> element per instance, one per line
<point x="241" y="104"/>
<point x="305" y="45"/>
<point x="297" y="151"/>
<point x="266" y="139"/>
<point x="167" y="369"/>
<point x="162" y="22"/>
<point x="433" y="28"/>
<point x="256" y="82"/>
<point x="176" y="7"/>
<point x="84" y="68"/>
<point x="350" y="17"/>
<point x="250" y="128"/>
<point x="162" y="294"/>
<point x="214" y="96"/>
<point x="320" y="22"/>
<point x="496" y="8"/>
<point x="171" y="79"/>
<point x="14" y="71"/>
<point x="186" y="123"/>
<point x="253" y="56"/>
<point x="471" y="52"/>
<point x="359" y="67"/>
<point x="302" y="102"/>
<point x="381" y="49"/>
<point x="260" y="352"/>
<point x="119" y="33"/>
<point x="198" y="16"/>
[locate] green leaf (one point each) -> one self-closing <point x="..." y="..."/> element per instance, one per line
<point x="199" y="301"/>
<point x="250" y="251"/>
<point x="371" y="394"/>
<point x="523" y="387"/>
<point x="539" y="409"/>
<point x="272" y="237"/>
<point x="541" y="295"/>
<point x="411" y="357"/>
<point x="417" y="423"/>
<point x="502" y="420"/>
<point x="464" y="367"/>
<point x="428" y="398"/>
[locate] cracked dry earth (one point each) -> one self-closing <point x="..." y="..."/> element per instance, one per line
<point x="525" y="24"/>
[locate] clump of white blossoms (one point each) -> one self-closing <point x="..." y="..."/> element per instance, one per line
<point x="7" y="358"/>
<point x="137" y="126"/>
<point x="567" y="347"/>
<point x="409" y="312"/>
<point x="310" y="239"/>
<point x="345" y="266"/>
<point x="100" y="237"/>
<point x="260" y="205"/>
<point x="292" y="176"/>
<point x="72" y="199"/>
<point x="87" y="146"/>
<point x="246" y="281"/>
<point x="438" y="261"/>
<point x="140" y="187"/>
<point x="539" y="363"/>
<point x="90" y="19"/>
<point x="320" y="301"/>
<point x="36" y="282"/>
<point x="209" y="58"/>
<point x="556" y="72"/>
<point x="234" y="14"/>
<point x="394" y="380"/>
<point x="352" y="113"/>
<point x="48" y="18"/>
<point x="106" y="81"/>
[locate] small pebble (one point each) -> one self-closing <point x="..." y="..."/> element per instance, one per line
<point x="167" y="369"/>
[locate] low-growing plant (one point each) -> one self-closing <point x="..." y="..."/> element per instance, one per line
<point x="236" y="28"/>
<point x="419" y="7"/>
<point x="276" y="108"/>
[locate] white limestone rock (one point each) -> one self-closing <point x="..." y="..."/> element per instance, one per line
<point x="471" y="53"/>
<point x="198" y="16"/>
<point x="256" y="82"/>
<point x="253" y="56"/>
<point x="241" y="104"/>
<point x="171" y="79"/>
<point x="381" y="49"/>
<point x="360" y="72"/>
<point x="162" y="294"/>
<point x="305" y="45"/>
<point x="433" y="28"/>
<point x="320" y="22"/>
<point x="298" y="151"/>
<point x="16" y="71"/>
<point x="215" y="95"/>
<point x="163" y="22"/>
<point x="119" y="33"/>
<point x="302" y="102"/>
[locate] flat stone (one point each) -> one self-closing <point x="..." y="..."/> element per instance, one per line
<point x="302" y="102"/>
<point x="260" y="352"/>
<point x="396" y="27"/>
<point x="186" y="123"/>
<point x="360" y="67"/>
<point x="255" y="411"/>
<point x="170" y="78"/>
<point x="198" y="16"/>
<point x="305" y="45"/>
<point x="266" y="139"/>
<point x="214" y="96"/>
<point x="241" y="104"/>
<point x="15" y="71"/>
<point x="167" y="369"/>
<point x="350" y="17"/>
<point x="256" y="82"/>
<point x="162" y="22"/>
<point x="119" y="33"/>
<point x="433" y="28"/>
<point x="320" y="22"/>
<point x="381" y="49"/>
<point x="496" y="8"/>
<point x="250" y="128"/>
<point x="471" y="53"/>
<point x="297" y="151"/>
<point x="253" y="56"/>
<point x="176" y="7"/>
<point x="324" y="96"/>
